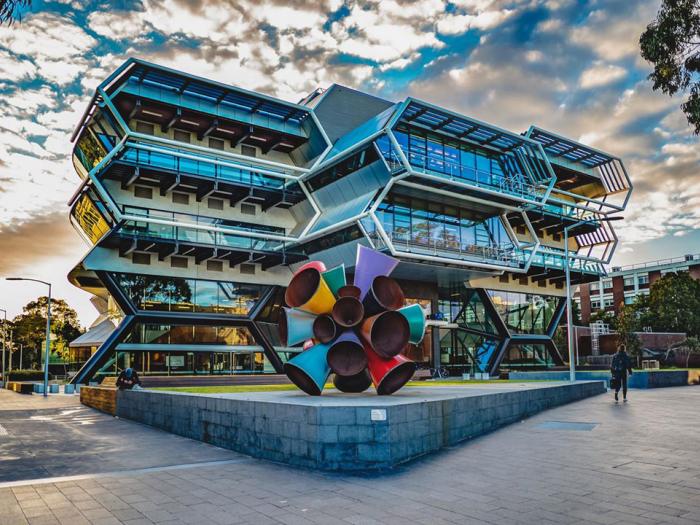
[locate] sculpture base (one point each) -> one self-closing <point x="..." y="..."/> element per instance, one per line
<point x="347" y="432"/>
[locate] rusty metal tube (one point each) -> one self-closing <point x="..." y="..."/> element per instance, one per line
<point x="348" y="312"/>
<point x="385" y="294"/>
<point x="349" y="290"/>
<point x="387" y="333"/>
<point x="345" y="355"/>
<point x="309" y="292"/>
<point x="353" y="384"/>
<point x="324" y="328"/>
<point x="388" y="375"/>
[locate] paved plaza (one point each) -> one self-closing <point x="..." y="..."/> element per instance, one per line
<point x="587" y="462"/>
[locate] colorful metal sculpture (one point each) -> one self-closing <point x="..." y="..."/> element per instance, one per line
<point x="358" y="332"/>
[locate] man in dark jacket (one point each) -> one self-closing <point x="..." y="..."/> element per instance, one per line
<point x="620" y="367"/>
<point x="127" y="379"/>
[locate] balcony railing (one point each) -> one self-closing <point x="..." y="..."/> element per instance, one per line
<point x="502" y="255"/>
<point x="183" y="234"/>
<point x="548" y="259"/>
<point x="174" y="160"/>
<point x="188" y="218"/>
<point x="474" y="177"/>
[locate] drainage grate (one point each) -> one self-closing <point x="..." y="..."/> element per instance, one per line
<point x="3" y="432"/>
<point x="567" y="425"/>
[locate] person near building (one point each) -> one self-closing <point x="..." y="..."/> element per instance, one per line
<point x="128" y="379"/>
<point x="620" y="368"/>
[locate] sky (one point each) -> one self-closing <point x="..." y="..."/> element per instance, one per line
<point x="572" y="67"/>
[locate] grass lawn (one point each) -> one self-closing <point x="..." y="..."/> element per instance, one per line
<point x="275" y="388"/>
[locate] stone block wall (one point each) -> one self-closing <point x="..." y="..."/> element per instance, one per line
<point x="343" y="438"/>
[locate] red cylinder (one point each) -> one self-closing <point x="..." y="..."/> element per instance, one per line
<point x="388" y="375"/>
<point x="318" y="265"/>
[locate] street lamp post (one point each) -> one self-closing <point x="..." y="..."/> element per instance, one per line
<point x="48" y="329"/>
<point x="569" y="313"/>
<point x="4" y="331"/>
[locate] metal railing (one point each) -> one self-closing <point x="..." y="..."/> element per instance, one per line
<point x="190" y="218"/>
<point x="473" y="176"/>
<point x="501" y="254"/>
<point x="659" y="262"/>
<point x="174" y="160"/>
<point x="145" y="230"/>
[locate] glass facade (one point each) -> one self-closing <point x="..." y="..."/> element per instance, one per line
<point x="465" y="352"/>
<point x="187" y="234"/>
<point x="415" y="224"/>
<point x="175" y="294"/>
<point x="173" y="362"/>
<point x="524" y="313"/>
<point x="461" y="161"/>
<point x="174" y="159"/>
<point x="527" y="356"/>
<point x="90" y="214"/>
<point x="88" y="153"/>
<point x="474" y="315"/>
<point x="176" y="334"/>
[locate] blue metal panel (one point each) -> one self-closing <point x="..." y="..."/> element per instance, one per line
<point x="361" y="133"/>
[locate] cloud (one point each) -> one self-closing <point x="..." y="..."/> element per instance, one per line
<point x="601" y="74"/>
<point x="44" y="234"/>
<point x="458" y="24"/>
<point x="55" y="45"/>
<point x="13" y="69"/>
<point x="613" y="32"/>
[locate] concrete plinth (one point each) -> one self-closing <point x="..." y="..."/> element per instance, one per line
<point x="347" y="432"/>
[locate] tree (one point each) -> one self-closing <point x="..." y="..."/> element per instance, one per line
<point x="9" y="10"/>
<point x="672" y="44"/>
<point x="673" y="305"/>
<point x="608" y="318"/>
<point x="627" y="324"/>
<point x="30" y="327"/>
<point x="691" y="346"/>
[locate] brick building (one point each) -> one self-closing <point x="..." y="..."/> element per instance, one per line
<point x="625" y="283"/>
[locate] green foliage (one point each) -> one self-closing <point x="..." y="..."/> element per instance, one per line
<point x="608" y="318"/>
<point x="29" y="329"/>
<point x="672" y="44"/>
<point x="673" y="305"/>
<point x="27" y="375"/>
<point x="627" y="323"/>
<point x="9" y="10"/>
<point x="691" y="346"/>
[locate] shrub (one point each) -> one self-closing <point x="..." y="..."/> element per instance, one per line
<point x="26" y="375"/>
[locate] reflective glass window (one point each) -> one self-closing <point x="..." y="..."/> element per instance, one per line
<point x="527" y="356"/>
<point x="176" y="294"/>
<point x="524" y="313"/>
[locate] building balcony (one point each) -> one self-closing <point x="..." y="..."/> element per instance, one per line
<point x="500" y="255"/>
<point x="176" y="169"/>
<point x="472" y="176"/>
<point x="201" y="243"/>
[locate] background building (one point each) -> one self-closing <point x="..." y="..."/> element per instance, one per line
<point x="199" y="199"/>
<point x="624" y="283"/>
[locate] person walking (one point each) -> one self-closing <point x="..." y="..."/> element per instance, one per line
<point x="620" y="368"/>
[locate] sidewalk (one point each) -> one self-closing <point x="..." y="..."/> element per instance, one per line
<point x="587" y="462"/>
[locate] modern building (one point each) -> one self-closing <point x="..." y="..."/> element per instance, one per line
<point x="624" y="283"/>
<point x="198" y="199"/>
